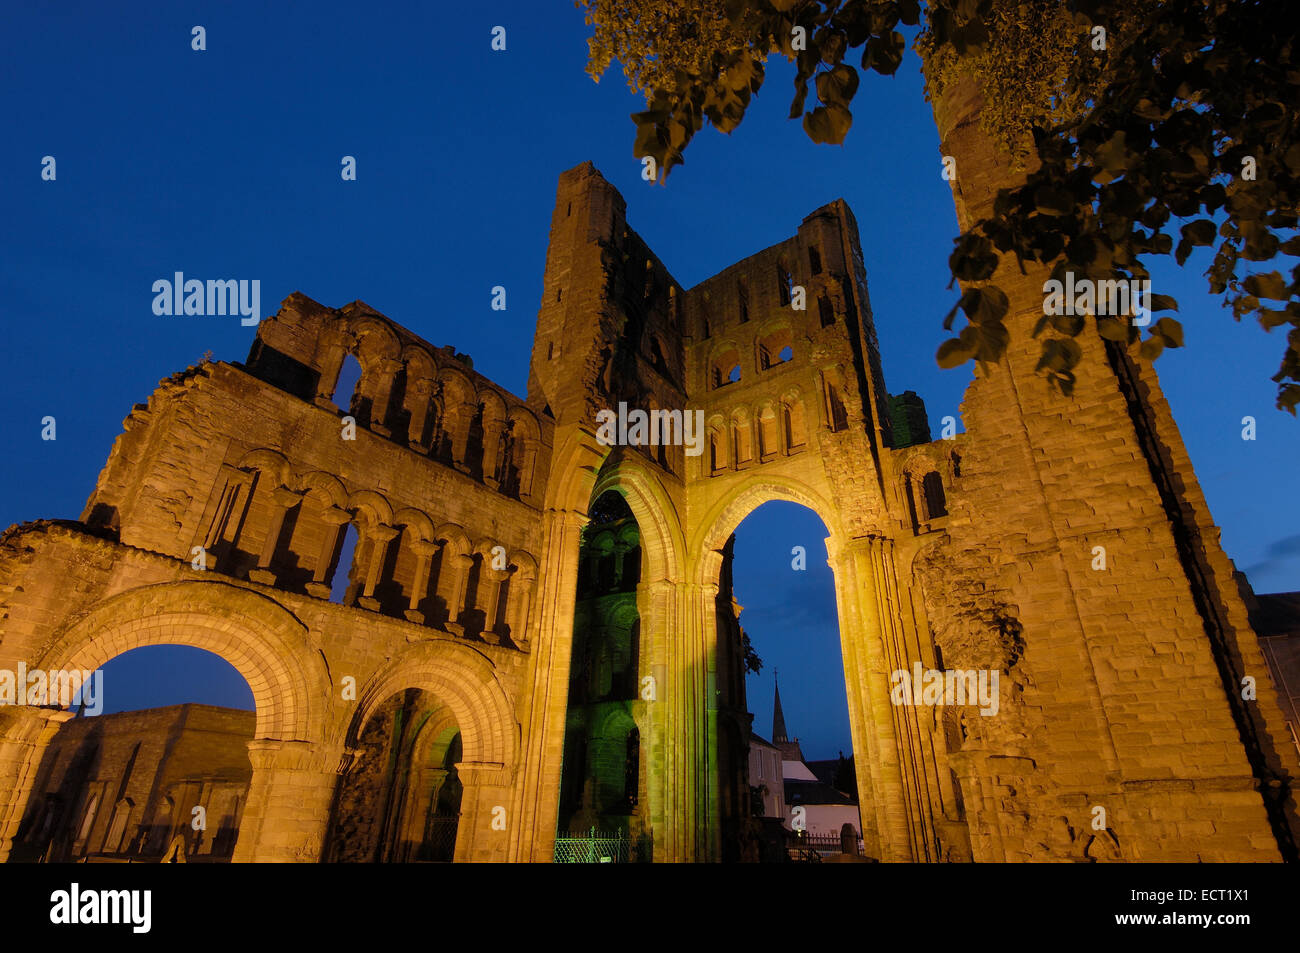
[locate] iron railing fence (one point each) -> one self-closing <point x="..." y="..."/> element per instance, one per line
<point x="594" y="847"/>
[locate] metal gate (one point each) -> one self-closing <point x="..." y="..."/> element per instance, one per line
<point x="595" y="847"/>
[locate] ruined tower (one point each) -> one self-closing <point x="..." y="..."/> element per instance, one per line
<point x="469" y="620"/>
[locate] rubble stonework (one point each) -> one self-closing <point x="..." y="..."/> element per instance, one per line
<point x="221" y="517"/>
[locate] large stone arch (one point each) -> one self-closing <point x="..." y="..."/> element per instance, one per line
<point x="264" y="642"/>
<point x="293" y="768"/>
<point x="464" y="680"/>
<point x="662" y="541"/>
<point x="728" y="512"/>
<point x="857" y="571"/>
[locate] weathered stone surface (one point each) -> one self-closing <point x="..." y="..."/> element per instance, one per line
<point x="438" y="689"/>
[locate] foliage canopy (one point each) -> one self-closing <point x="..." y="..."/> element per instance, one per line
<point x="1186" y="113"/>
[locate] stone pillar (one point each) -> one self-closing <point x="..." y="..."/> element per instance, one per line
<point x="424" y="551"/>
<point x="871" y="652"/>
<point x="533" y="835"/>
<point x="335" y="518"/>
<point x="458" y="417"/>
<point x="331" y="363"/>
<point x="421" y="797"/>
<point x="380" y="537"/>
<point x="25" y="733"/>
<point x="529" y="458"/>
<point x="460" y="565"/>
<point x="483" y="835"/>
<point x="226" y="513"/>
<point x="289" y="800"/>
<point x="492" y="430"/>
<point x="521" y="594"/>
<point x="692" y="820"/>
<point x="418" y="395"/>
<point x="620" y="550"/>
<point x="489" y="590"/>
<point x="381" y="390"/>
<point x="282" y="501"/>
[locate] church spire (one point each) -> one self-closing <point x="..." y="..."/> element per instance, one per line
<point x="778" y="716"/>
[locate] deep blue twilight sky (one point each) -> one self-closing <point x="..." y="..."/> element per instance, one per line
<point x="225" y="163"/>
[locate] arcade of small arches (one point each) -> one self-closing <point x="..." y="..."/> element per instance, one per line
<point x="321" y="774"/>
<point x="431" y="404"/>
<point x="403" y="563"/>
<point x="772" y="348"/>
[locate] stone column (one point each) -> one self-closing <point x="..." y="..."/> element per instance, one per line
<point x="282" y="500"/>
<point x="335" y="518"/>
<point x="620" y="550"/>
<point x="421" y="797"/>
<point x="533" y="835"/>
<point x="521" y="594"/>
<point x="381" y="391"/>
<point x="458" y="417"/>
<point x="873" y="648"/>
<point x="289" y="800"/>
<point x="529" y="458"/>
<point x="492" y="430"/>
<point x="331" y="363"/>
<point x="25" y="733"/>
<point x="380" y="537"/>
<point x="489" y="587"/>
<point x="226" y="514"/>
<point x="418" y="394"/>
<point x="483" y="835"/>
<point x="460" y="566"/>
<point x="424" y="551"/>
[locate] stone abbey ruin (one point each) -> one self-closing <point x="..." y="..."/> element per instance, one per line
<point x="537" y="632"/>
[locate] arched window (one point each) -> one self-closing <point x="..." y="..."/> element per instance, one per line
<point x="345" y="389"/>
<point x="825" y="311"/>
<point x="740" y="439"/>
<point x="341" y="578"/>
<point x="796" y="433"/>
<point x="725" y="369"/>
<point x="774" y="349"/>
<point x="88" y="819"/>
<point x="784" y="283"/>
<point x="935" y="503"/>
<point x="117" y="826"/>
<point x="835" y="409"/>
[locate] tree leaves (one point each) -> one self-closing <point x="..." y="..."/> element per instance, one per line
<point x="1186" y="115"/>
<point x="1270" y="285"/>
<point x="884" y="53"/>
<point x="828" y="124"/>
<point x="836" y="87"/>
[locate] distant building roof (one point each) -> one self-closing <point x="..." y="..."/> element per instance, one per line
<point x="1277" y="613"/>
<point x="796" y="771"/>
<point x="815" y="792"/>
<point x="826" y="770"/>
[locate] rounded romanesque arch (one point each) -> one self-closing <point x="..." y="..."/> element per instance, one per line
<point x="727" y="513"/>
<point x="662" y="542"/>
<point x="265" y="642"/>
<point x="267" y="461"/>
<point x="461" y="678"/>
<point x="327" y="486"/>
